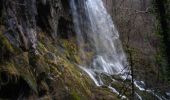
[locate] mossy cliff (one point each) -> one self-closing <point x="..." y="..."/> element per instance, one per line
<point x="39" y="56"/>
<point x="49" y="73"/>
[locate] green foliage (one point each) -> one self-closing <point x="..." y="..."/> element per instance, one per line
<point x="28" y="76"/>
<point x="16" y="71"/>
<point x="161" y="56"/>
<point x="52" y="70"/>
<point x="75" y="96"/>
<point x="6" y="48"/>
<point x="9" y="70"/>
<point x="13" y="65"/>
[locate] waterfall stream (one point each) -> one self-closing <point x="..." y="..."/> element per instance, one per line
<point x="94" y="26"/>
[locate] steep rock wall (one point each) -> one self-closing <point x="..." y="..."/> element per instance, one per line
<point x="39" y="55"/>
<point x="23" y="19"/>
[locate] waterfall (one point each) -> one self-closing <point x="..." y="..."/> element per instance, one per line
<point x="94" y="26"/>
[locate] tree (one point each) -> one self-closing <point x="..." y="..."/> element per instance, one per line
<point x="162" y="16"/>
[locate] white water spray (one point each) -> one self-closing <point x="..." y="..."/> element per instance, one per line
<point x="94" y="25"/>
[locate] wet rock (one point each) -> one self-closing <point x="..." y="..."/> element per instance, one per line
<point x="45" y="68"/>
<point x="12" y="89"/>
<point x="168" y="94"/>
<point x="65" y="28"/>
<point x="107" y="79"/>
<point x="44" y="2"/>
<point x="50" y="56"/>
<point x="49" y="13"/>
<point x="6" y="48"/>
<point x="20" y="21"/>
<point x="22" y="18"/>
<point x="40" y="67"/>
<point x="43" y="89"/>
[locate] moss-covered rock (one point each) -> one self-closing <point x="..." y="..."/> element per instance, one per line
<point x="52" y="71"/>
<point x="6" y="48"/>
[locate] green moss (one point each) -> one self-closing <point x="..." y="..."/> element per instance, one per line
<point x="5" y="45"/>
<point x="38" y="64"/>
<point x="104" y="94"/>
<point x="28" y="76"/>
<point x="75" y="96"/>
<point x="72" y="77"/>
<point x="10" y="71"/>
<point x="18" y="70"/>
<point x="22" y="65"/>
<point x="9" y="68"/>
<point x="55" y="64"/>
<point x="41" y="48"/>
<point x="124" y="88"/>
<point x="60" y="57"/>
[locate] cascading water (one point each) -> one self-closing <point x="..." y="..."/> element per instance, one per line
<point x="94" y="26"/>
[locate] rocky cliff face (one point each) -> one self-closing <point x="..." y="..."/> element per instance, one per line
<point x="24" y="19"/>
<point x="39" y="55"/>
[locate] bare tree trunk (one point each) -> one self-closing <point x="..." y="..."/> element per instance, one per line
<point x="132" y="74"/>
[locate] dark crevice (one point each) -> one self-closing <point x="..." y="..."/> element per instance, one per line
<point x="1" y="7"/>
<point x="42" y="17"/>
<point x="65" y="29"/>
<point x="12" y="88"/>
<point x="65" y="4"/>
